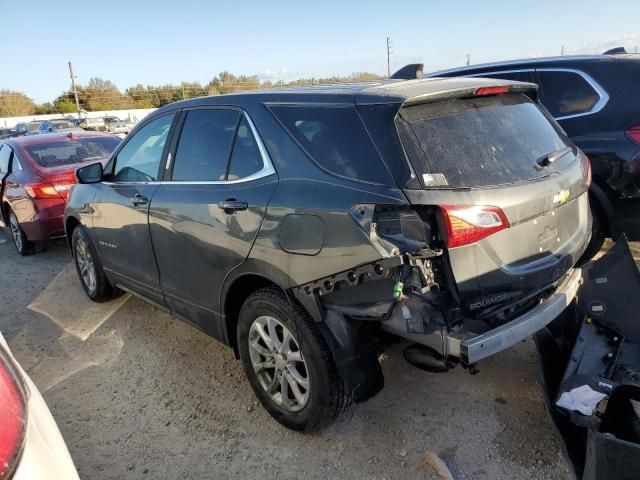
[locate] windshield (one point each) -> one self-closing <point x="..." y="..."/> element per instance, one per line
<point x="70" y="151"/>
<point x="479" y="142"/>
<point x="34" y="127"/>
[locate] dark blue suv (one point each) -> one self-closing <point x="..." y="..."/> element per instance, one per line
<point x="595" y="99"/>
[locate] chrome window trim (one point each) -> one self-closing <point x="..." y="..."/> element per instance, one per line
<point x="266" y="171"/>
<point x="602" y="94"/>
<point x="507" y="63"/>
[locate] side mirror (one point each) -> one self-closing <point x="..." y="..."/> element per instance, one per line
<point x="90" y="174"/>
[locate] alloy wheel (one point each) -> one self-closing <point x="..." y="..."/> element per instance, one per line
<point x="15" y="231"/>
<point x="85" y="264"/>
<point x="278" y="363"/>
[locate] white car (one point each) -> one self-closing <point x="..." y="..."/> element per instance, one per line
<point x="31" y="446"/>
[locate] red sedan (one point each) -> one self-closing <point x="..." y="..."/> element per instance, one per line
<point x="36" y="173"/>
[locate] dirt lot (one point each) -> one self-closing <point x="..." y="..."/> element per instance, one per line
<point x="138" y="394"/>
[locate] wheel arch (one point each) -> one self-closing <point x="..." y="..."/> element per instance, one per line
<point x="70" y="225"/>
<point x="234" y="296"/>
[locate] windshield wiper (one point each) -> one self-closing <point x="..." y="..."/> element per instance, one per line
<point x="549" y="158"/>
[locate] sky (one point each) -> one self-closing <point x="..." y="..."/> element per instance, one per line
<point x="159" y="42"/>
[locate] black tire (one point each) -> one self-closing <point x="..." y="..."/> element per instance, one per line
<point x="83" y="249"/>
<point x="598" y="234"/>
<point x="20" y="240"/>
<point x="327" y="398"/>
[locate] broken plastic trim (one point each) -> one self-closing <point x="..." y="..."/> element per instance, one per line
<point x="596" y="343"/>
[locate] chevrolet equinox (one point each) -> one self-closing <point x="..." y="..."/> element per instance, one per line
<point x="306" y="227"/>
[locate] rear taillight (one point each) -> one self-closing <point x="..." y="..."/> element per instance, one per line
<point x="633" y="134"/>
<point x="485" y="91"/>
<point x="56" y="186"/>
<point x="12" y="416"/>
<point x="468" y="224"/>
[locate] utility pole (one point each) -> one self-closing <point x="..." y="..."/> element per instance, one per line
<point x="468" y="59"/>
<point x="562" y="50"/>
<point x="75" y="90"/>
<point x="636" y="49"/>
<point x="389" y="52"/>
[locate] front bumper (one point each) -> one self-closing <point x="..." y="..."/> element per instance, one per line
<point x="472" y="348"/>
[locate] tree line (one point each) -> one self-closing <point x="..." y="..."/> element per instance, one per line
<point x="100" y="94"/>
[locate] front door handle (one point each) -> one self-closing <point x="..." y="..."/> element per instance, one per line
<point x="231" y="205"/>
<point x="138" y="199"/>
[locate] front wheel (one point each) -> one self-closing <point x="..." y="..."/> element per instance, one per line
<point x="288" y="363"/>
<point x="89" y="267"/>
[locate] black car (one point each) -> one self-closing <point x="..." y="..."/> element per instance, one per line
<point x="306" y="227"/>
<point x="595" y="99"/>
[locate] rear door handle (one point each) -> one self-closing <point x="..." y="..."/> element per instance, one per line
<point x="138" y="199"/>
<point x="231" y="205"/>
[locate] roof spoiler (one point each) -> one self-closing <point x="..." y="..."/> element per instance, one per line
<point x="409" y="72"/>
<point x="616" y="51"/>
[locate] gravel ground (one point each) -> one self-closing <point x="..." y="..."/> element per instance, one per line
<point x="138" y="394"/>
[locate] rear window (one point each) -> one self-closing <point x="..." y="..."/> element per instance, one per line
<point x="68" y="152"/>
<point x="335" y="138"/>
<point x="478" y="142"/>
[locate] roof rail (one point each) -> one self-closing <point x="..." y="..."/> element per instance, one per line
<point x="615" y="51"/>
<point x="409" y="72"/>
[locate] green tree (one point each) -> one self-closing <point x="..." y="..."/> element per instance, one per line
<point x="44" y="108"/>
<point x="65" y="106"/>
<point x="100" y="94"/>
<point x="15" y="104"/>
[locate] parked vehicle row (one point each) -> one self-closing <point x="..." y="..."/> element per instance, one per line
<point x="309" y="227"/>
<point x="109" y="124"/>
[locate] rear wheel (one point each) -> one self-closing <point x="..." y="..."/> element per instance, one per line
<point x="22" y="244"/>
<point x="288" y="363"/>
<point x="89" y="267"/>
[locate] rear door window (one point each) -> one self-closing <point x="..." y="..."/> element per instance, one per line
<point x="205" y="145"/>
<point x="335" y="139"/>
<point x="245" y="158"/>
<point x="479" y="142"/>
<point x="566" y="93"/>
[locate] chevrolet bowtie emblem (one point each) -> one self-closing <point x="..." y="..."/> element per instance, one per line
<point x="560" y="198"/>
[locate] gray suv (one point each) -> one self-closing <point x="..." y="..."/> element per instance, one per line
<point x="309" y="227"/>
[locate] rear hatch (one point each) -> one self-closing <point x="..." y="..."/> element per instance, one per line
<point x="510" y="190"/>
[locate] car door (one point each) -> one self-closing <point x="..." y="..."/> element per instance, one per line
<point x="5" y="159"/>
<point x="205" y="218"/>
<point x="121" y="209"/>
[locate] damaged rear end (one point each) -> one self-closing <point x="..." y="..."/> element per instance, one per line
<point x="482" y="254"/>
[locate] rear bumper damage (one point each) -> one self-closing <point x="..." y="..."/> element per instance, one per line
<point x="586" y="329"/>
<point x="422" y="314"/>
